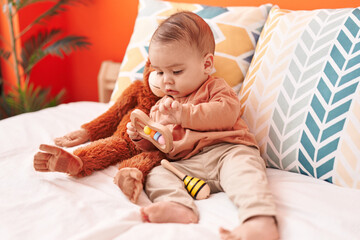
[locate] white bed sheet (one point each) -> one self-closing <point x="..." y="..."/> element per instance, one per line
<point x="47" y="206"/>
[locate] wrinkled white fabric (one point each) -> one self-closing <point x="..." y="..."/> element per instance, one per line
<point x="36" y="205"/>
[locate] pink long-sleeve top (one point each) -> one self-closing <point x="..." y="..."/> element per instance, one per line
<point x="209" y="116"/>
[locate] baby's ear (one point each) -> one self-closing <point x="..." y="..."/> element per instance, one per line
<point x="208" y="63"/>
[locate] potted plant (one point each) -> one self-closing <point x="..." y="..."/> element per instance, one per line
<point x="25" y="96"/>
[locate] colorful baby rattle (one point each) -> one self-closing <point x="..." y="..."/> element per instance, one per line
<point x="157" y="136"/>
<point x="156" y="133"/>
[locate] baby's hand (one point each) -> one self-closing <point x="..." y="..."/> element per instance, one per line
<point x="132" y="132"/>
<point x="172" y="108"/>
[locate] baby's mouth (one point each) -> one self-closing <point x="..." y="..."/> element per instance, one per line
<point x="171" y="92"/>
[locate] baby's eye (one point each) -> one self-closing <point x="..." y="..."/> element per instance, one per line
<point x="177" y="72"/>
<point x="160" y="73"/>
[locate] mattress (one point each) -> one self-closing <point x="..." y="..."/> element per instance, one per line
<point x="35" y="205"/>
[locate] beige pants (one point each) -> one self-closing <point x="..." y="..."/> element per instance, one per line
<point x="237" y="170"/>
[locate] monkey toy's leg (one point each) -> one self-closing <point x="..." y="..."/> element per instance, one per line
<point x="132" y="173"/>
<point x="95" y="156"/>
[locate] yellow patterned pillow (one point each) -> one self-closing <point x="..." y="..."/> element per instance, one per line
<point x="236" y="31"/>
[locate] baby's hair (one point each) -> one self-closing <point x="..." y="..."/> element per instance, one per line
<point x="189" y="27"/>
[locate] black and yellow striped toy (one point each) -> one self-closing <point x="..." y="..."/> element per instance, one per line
<point x="197" y="188"/>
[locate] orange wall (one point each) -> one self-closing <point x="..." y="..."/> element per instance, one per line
<point x="109" y="25"/>
<point x="5" y="35"/>
<point x="6" y="69"/>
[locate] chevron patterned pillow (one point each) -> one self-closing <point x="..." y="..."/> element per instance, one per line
<point x="301" y="95"/>
<point x="236" y="31"/>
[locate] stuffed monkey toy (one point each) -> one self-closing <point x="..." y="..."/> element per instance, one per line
<point x="110" y="143"/>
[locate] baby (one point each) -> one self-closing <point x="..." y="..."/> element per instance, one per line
<point x="211" y="141"/>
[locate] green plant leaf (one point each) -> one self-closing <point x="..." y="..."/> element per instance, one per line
<point x="66" y="45"/>
<point x="57" y="99"/>
<point x="23" y="3"/>
<point x="4" y="54"/>
<point x="32" y="50"/>
<point x="5" y="110"/>
<point x="36" y="48"/>
<point x="57" y="8"/>
<point x="27" y="98"/>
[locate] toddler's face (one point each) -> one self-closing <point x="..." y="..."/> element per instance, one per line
<point x="179" y="67"/>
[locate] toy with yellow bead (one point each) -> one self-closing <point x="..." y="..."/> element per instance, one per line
<point x="162" y="138"/>
<point x="156" y="133"/>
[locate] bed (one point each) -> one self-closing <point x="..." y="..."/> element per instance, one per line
<point x="35" y="205"/>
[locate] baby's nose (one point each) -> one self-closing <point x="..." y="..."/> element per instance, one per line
<point x="168" y="79"/>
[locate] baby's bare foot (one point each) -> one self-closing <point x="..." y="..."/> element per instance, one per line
<point x="258" y="227"/>
<point x="168" y="212"/>
<point x="129" y="181"/>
